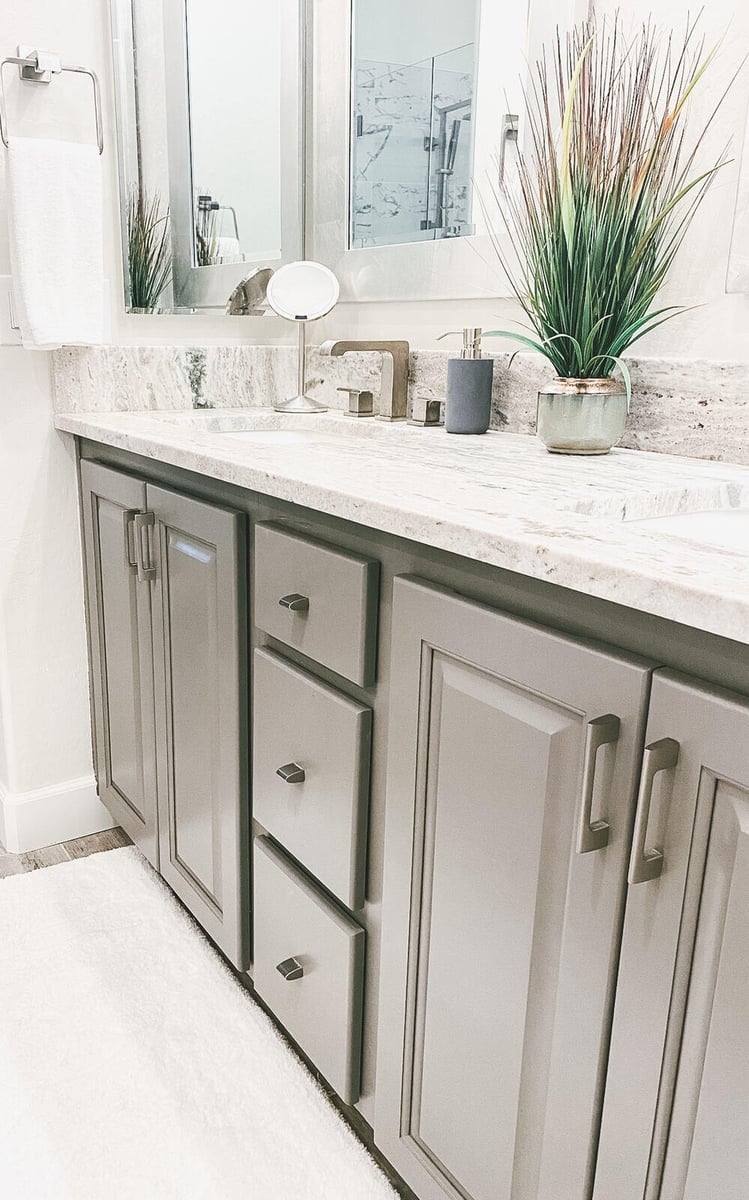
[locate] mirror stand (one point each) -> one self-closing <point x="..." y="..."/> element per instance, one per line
<point x="301" y="403"/>
<point x="301" y="292"/>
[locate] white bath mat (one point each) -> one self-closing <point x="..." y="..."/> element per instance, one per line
<point x="134" y="1067"/>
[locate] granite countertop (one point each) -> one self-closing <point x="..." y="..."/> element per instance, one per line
<point x="499" y="499"/>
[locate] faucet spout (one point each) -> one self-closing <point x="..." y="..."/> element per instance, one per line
<point x="394" y="383"/>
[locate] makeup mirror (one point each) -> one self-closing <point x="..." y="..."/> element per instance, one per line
<point x="301" y="292"/>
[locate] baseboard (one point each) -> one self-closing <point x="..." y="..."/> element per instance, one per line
<point x="30" y="820"/>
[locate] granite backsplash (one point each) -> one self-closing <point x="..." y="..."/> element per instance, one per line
<point x="697" y="408"/>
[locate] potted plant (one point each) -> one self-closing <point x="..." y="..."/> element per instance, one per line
<point x="597" y="215"/>
<point x="149" y="250"/>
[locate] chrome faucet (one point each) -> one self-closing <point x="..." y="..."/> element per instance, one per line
<point x="394" y="383"/>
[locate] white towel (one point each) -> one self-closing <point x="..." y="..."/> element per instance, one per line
<point x="56" y="232"/>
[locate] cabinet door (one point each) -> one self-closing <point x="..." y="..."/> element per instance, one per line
<point x="119" y="611"/>
<point x="500" y="939"/>
<point x="676" y="1113"/>
<point x="199" y="581"/>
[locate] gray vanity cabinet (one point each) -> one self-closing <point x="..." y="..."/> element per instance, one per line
<point x="676" y="1114"/>
<point x="166" y="587"/>
<point x="199" y="632"/>
<point x="119" y="608"/>
<point x="513" y="760"/>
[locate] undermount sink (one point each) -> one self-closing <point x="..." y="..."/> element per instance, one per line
<point x="727" y="528"/>
<point x="266" y="427"/>
<point x="279" y="437"/>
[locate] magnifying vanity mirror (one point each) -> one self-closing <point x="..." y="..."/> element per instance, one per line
<point x="210" y="140"/>
<point x="302" y="292"/>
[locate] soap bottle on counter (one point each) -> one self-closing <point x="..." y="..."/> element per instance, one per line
<point x="468" y="404"/>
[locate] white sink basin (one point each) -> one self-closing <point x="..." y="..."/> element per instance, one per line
<point x="263" y="426"/>
<point x="727" y="528"/>
<point x="279" y="437"/>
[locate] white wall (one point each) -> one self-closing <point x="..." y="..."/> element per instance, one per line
<point x="46" y="783"/>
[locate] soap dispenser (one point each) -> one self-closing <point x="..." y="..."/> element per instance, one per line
<point x="468" y="404"/>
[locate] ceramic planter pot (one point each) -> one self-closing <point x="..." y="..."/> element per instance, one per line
<point x="581" y="416"/>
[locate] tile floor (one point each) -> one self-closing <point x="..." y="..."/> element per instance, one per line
<point x="50" y="856"/>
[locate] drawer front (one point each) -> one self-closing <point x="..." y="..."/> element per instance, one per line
<point x="311" y="773"/>
<point x="317" y="996"/>
<point x="321" y="601"/>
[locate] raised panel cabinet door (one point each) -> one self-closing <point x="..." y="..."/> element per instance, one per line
<point x="676" y="1112"/>
<point x="512" y="764"/>
<point x="119" y="626"/>
<point x="197" y="554"/>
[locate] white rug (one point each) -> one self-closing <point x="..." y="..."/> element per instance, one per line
<point x="133" y="1066"/>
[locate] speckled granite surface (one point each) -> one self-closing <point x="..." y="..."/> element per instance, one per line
<point x="566" y="520"/>
<point x="695" y="408"/>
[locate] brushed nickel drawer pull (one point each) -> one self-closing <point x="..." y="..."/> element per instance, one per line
<point x="131" y="554"/>
<point x="291" y="968"/>
<point x="594" y="835"/>
<point x="291" y="773"/>
<point x="295" y="602"/>
<point x="648" y="864"/>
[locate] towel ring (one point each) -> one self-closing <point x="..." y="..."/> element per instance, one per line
<point x="30" y="70"/>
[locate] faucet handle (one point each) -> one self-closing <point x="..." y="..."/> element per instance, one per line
<point x="360" y="402"/>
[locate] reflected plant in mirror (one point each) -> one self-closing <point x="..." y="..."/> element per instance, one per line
<point x="412" y="137"/>
<point x="149" y="250"/>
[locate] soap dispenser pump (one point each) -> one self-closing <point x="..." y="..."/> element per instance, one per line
<point x="468" y="404"/>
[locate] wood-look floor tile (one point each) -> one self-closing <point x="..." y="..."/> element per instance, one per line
<point x="48" y="856"/>
<point x="10" y="864"/>
<point x="110" y="839"/>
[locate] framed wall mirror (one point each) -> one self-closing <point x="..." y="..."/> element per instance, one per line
<point x="413" y="107"/>
<point x="210" y="118"/>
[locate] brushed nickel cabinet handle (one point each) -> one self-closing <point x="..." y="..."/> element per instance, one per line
<point x="143" y="522"/>
<point x="291" y="968"/>
<point x="600" y="732"/>
<point x="131" y="554"/>
<point x="291" y="773"/>
<point x="295" y="602"/>
<point x="648" y="864"/>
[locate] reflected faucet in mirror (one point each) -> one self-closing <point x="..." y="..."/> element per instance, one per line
<point x="394" y="383"/>
<point x="249" y="296"/>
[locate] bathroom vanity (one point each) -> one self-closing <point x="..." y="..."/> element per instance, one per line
<point x="461" y="781"/>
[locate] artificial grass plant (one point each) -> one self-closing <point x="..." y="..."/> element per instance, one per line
<point x="149" y="249"/>
<point x="601" y="207"/>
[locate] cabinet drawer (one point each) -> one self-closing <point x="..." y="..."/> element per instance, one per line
<point x="317" y="997"/>
<point x="320" y="818"/>
<point x="333" y="597"/>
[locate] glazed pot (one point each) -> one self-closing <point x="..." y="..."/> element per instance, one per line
<point x="581" y="416"/>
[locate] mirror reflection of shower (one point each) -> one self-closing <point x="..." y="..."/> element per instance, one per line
<point x="412" y="134"/>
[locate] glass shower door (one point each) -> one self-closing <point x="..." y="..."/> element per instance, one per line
<point x="412" y="150"/>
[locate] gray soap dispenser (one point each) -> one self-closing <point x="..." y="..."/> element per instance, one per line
<point x="468" y="404"/>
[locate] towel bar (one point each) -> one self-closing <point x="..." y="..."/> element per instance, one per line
<point x="31" y="72"/>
